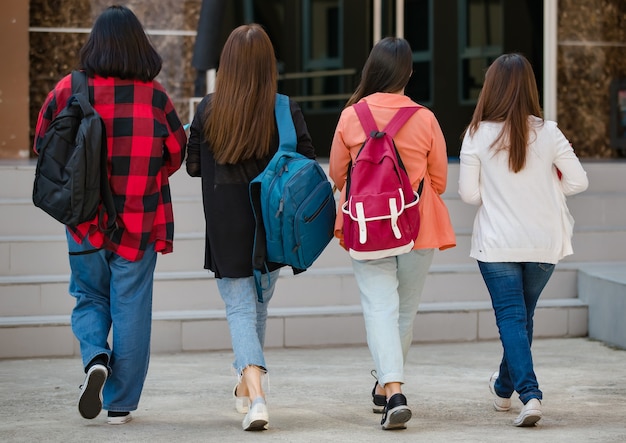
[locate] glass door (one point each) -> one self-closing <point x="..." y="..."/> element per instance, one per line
<point x="325" y="45"/>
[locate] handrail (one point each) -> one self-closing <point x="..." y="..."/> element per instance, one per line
<point x="316" y="74"/>
<point x="295" y="76"/>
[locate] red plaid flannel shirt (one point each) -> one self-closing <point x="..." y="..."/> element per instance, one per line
<point x="146" y="144"/>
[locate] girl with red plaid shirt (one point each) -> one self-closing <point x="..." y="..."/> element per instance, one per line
<point x="112" y="274"/>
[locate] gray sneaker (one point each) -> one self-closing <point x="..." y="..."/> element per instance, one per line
<point x="500" y="404"/>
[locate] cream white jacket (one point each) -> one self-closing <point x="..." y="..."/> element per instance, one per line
<point x="522" y="217"/>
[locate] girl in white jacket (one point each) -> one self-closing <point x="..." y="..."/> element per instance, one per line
<point x="518" y="169"/>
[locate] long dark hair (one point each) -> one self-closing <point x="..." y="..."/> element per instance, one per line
<point x="388" y="68"/>
<point x="509" y="95"/>
<point x="240" y="120"/>
<point x="119" y="47"/>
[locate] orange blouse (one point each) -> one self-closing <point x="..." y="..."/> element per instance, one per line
<point x="422" y="147"/>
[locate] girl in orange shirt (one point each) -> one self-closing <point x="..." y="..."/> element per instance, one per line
<point x="391" y="287"/>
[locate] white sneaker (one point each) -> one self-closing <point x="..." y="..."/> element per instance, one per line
<point x="120" y="420"/>
<point x="242" y="404"/>
<point x="531" y="413"/>
<point x="500" y="404"/>
<point x="257" y="418"/>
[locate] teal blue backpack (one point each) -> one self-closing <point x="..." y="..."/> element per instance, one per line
<point x="293" y="204"/>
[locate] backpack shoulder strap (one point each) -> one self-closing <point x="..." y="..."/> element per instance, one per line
<point x="369" y="124"/>
<point x="286" y="129"/>
<point x="80" y="84"/>
<point x="366" y="118"/>
<point x="398" y="120"/>
<point x="394" y="125"/>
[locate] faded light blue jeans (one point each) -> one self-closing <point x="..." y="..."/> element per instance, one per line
<point x="113" y="293"/>
<point x="247" y="318"/>
<point x="514" y="289"/>
<point x="391" y="290"/>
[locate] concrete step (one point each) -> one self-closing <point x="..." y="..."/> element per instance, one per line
<point x="196" y="290"/>
<point x="47" y="254"/>
<point x="600" y="207"/>
<point x="203" y="330"/>
<point x="17" y="178"/>
<point x="592" y="211"/>
<point x="29" y="238"/>
<point x="20" y="218"/>
<point x="603" y="288"/>
<point x="318" y="308"/>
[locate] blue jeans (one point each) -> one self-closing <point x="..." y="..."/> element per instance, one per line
<point x="391" y="289"/>
<point x="247" y="318"/>
<point x="514" y="289"/>
<point x="113" y="293"/>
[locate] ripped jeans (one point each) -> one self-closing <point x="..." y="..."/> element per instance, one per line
<point x="246" y="318"/>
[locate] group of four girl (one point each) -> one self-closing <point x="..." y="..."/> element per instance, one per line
<point x="515" y="166"/>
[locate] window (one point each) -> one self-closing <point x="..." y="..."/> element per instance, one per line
<point x="480" y="43"/>
<point x="418" y="32"/>
<point x="322" y="60"/>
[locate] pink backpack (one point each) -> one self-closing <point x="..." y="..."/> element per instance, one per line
<point x="381" y="214"/>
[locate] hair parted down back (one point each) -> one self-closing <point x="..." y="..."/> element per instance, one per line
<point x="241" y="123"/>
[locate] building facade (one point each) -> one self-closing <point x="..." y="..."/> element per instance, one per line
<point x="577" y="47"/>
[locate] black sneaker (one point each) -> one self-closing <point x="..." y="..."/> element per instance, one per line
<point x="379" y="400"/>
<point x="118" y="418"/>
<point x="90" y="399"/>
<point x="396" y="413"/>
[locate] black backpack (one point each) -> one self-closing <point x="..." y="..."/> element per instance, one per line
<point x="71" y="175"/>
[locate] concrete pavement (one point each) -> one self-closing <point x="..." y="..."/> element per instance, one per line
<point x="323" y="395"/>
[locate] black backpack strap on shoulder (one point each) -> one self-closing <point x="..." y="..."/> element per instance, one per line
<point x="80" y="85"/>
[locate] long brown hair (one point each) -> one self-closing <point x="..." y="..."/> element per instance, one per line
<point x="509" y="95"/>
<point x="240" y="123"/>
<point x="388" y="68"/>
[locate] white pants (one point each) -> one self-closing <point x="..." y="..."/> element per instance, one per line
<point x="391" y="289"/>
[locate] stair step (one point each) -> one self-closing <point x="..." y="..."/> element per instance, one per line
<point x="21" y="255"/>
<point x="197" y="290"/>
<point x="320" y="307"/>
<point x="592" y="211"/>
<point x="176" y="331"/>
<point x="286" y="312"/>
